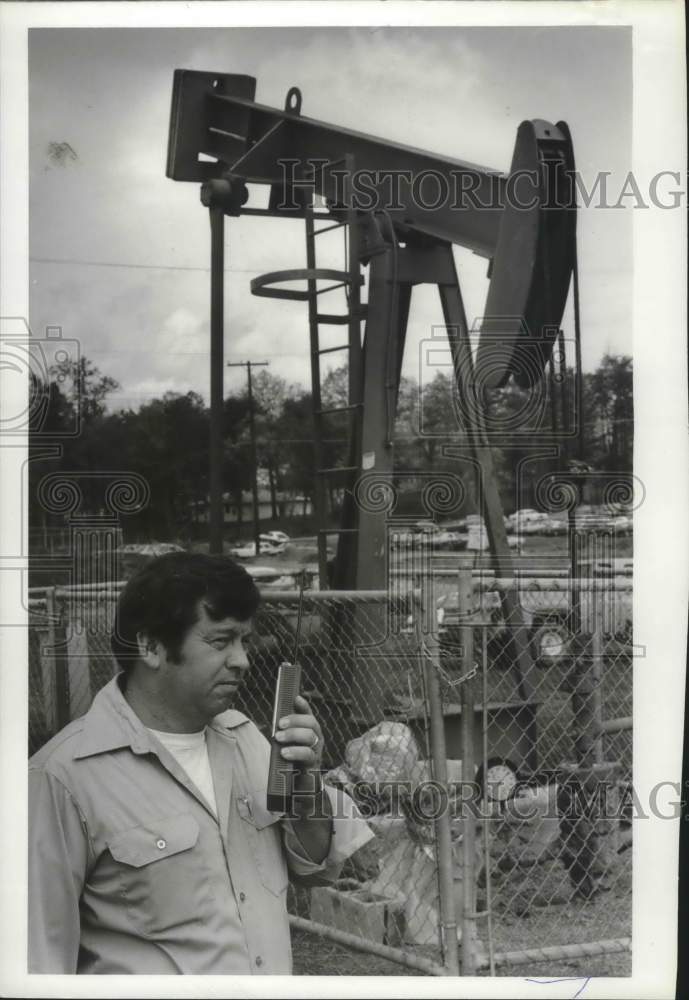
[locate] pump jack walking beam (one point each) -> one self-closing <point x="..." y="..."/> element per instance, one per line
<point x="523" y="222"/>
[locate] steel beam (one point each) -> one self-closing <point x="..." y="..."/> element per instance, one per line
<point x="217" y="371"/>
<point x="242" y="134"/>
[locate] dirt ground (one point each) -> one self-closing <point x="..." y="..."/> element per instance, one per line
<point x="316" y="956"/>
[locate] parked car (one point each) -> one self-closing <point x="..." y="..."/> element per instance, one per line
<point x="525" y="514"/>
<point x="275" y="536"/>
<point x="149" y="549"/>
<point x="266" y="548"/>
<point x="477" y="536"/>
<point x="555" y="526"/>
<point x="607" y="567"/>
<point x="440" y="537"/>
<point x="452" y="540"/>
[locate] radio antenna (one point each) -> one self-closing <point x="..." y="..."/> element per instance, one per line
<point x="299" y="616"/>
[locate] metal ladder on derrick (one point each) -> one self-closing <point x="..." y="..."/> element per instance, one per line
<point x="350" y="280"/>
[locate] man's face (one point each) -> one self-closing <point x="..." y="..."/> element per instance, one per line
<point x="211" y="664"/>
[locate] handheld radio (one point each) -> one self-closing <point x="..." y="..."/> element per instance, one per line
<point x="280" y="771"/>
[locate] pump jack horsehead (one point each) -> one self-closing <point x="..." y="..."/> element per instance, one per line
<point x="524" y="223"/>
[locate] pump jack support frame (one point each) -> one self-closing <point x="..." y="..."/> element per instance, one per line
<point x="523" y="222"/>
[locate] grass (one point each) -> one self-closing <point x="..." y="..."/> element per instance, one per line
<point x="317" y="956"/>
<point x="531" y="907"/>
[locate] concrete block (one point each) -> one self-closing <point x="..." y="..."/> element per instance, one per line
<point x="362" y="912"/>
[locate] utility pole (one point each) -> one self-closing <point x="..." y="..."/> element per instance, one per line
<point x="252" y="431"/>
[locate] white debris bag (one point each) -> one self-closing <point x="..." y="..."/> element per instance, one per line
<point x="387" y="752"/>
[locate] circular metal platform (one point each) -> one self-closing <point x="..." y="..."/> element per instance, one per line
<point x="264" y="284"/>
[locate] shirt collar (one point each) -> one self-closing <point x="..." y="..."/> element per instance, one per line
<point x="111" y="724"/>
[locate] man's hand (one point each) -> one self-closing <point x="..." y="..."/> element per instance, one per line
<point x="302" y="737"/>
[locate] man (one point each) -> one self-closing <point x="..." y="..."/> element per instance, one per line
<point x="151" y="847"/>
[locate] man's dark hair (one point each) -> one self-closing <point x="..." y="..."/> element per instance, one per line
<point x="161" y="600"/>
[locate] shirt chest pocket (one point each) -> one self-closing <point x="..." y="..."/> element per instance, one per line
<point x="161" y="873"/>
<point x="262" y="831"/>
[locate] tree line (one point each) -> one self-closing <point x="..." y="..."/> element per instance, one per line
<point x="165" y="440"/>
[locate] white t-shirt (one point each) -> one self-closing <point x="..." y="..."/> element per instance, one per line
<point x="191" y="753"/>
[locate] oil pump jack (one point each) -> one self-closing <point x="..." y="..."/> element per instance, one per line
<point x="402" y="210"/>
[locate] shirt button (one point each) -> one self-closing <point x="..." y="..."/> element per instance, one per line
<point x="161" y="844"/>
<point x="259" y="961"/>
<point x="242" y="896"/>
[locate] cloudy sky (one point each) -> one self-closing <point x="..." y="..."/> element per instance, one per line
<point x="119" y="253"/>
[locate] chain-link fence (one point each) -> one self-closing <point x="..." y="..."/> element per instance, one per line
<point x="477" y="764"/>
<point x="69" y="654"/>
<point x="551" y="735"/>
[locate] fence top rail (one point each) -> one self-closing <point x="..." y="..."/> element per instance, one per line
<point x="37" y="595"/>
<point x="562" y="585"/>
<point x="314" y="596"/>
<point x="480" y="581"/>
<point x="532" y="572"/>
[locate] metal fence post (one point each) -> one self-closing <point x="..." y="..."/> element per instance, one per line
<point x="597" y="597"/>
<point x="467" y="702"/>
<point x="486" y="830"/>
<point x="62" y="696"/>
<point x="49" y="667"/>
<point x="443" y="834"/>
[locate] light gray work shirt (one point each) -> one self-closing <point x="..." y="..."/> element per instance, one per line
<point x="130" y="869"/>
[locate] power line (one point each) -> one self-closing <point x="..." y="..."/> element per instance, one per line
<point x="138" y="267"/>
<point x="181" y="354"/>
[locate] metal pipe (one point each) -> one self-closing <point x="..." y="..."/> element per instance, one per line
<point x="443" y="835"/>
<point x="254" y="462"/>
<point x="359" y="596"/>
<point x="481" y="581"/>
<point x="63" y="713"/>
<point x="215" y="457"/>
<point x="552" y="393"/>
<point x="370" y="947"/>
<point x="581" y="584"/>
<point x="467" y="700"/>
<point x="86" y="589"/>
<point x="486" y="833"/>
<point x="49" y="665"/>
<point x="616" y="725"/>
<point x="578" y="373"/>
<point x="319" y="493"/>
<point x="523" y="956"/>
<point x="597" y="676"/>
<point x="537" y="583"/>
<point x="499" y="583"/>
<point x="429" y="649"/>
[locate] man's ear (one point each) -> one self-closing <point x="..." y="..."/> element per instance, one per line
<point x="149" y="650"/>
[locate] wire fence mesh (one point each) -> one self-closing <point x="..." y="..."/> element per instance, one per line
<point x="553" y="782"/>
<point x="525" y="873"/>
<point x="361" y="665"/>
